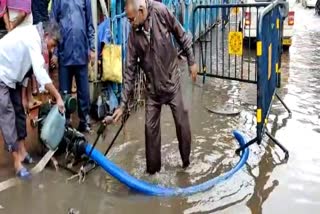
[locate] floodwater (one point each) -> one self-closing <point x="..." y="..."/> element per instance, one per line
<point x="267" y="184"/>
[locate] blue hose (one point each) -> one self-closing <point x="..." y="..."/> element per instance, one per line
<point x="156" y="190"/>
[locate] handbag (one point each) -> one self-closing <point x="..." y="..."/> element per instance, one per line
<point x="112" y="61"/>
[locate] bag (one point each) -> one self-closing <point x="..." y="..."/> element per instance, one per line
<point x="112" y="63"/>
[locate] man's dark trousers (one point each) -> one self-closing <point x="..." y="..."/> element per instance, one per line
<point x="153" y="130"/>
<point x="80" y="72"/>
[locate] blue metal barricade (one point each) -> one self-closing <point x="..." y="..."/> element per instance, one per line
<point x="202" y="19"/>
<point x="120" y="30"/>
<point x="223" y="53"/>
<point x="269" y="49"/>
<point x="182" y="9"/>
<point x="219" y="47"/>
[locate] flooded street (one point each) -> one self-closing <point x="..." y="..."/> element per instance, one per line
<point x="265" y="185"/>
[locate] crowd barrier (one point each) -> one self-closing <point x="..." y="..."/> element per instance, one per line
<point x="226" y="51"/>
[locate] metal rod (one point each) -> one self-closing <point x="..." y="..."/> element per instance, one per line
<point x="205" y="29"/>
<point x="228" y="53"/>
<point x="230" y="78"/>
<point x="223" y="47"/>
<point x="217" y="48"/>
<point x="211" y="44"/>
<point x="263" y="4"/>
<point x="256" y="64"/>
<point x="246" y="145"/>
<point x="99" y="133"/>
<point x="283" y="103"/>
<point x="86" y="169"/>
<point x="241" y="21"/>
<point x="235" y="56"/>
<point x="202" y="62"/>
<point x="200" y="47"/>
<point x="114" y="139"/>
<point x="249" y="64"/>
<point x="275" y="141"/>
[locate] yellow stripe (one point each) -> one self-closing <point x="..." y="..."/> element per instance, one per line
<point x="259" y="48"/>
<point x="259" y="115"/>
<point x="270" y="61"/>
<point x="277" y="68"/>
<point x="266" y="121"/>
<point x="278" y="23"/>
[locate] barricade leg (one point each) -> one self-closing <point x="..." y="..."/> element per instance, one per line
<point x="283" y="103"/>
<point x="275" y="141"/>
<point x="253" y="141"/>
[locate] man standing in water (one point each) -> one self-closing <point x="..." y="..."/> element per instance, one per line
<point x="150" y="41"/>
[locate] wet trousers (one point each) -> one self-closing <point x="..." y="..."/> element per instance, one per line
<point x="153" y="130"/>
<point x="7" y="119"/>
<point x="16" y="100"/>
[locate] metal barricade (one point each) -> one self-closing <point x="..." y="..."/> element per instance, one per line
<point x="220" y="50"/>
<point x="269" y="49"/>
<point x="225" y="48"/>
<point x="120" y="30"/>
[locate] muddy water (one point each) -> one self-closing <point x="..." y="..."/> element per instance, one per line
<point x="265" y="185"/>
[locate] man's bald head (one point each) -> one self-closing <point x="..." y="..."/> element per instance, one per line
<point x="136" y="11"/>
<point x="136" y="4"/>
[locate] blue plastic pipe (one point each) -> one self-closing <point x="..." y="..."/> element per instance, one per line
<point x="156" y="190"/>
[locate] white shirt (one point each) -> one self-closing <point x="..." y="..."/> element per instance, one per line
<point x="19" y="50"/>
<point x="28" y="20"/>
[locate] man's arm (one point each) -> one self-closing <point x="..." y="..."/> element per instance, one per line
<point x="181" y="36"/>
<point x="129" y="73"/>
<point x="90" y="27"/>
<point x="6" y="21"/>
<point x="38" y="66"/>
<point x="19" y="19"/>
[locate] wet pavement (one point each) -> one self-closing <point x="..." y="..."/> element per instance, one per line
<point x="265" y="185"/>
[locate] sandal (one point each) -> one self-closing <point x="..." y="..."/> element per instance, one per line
<point x="28" y="159"/>
<point x="24" y="174"/>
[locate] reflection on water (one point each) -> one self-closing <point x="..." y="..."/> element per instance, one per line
<point x="265" y="185"/>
